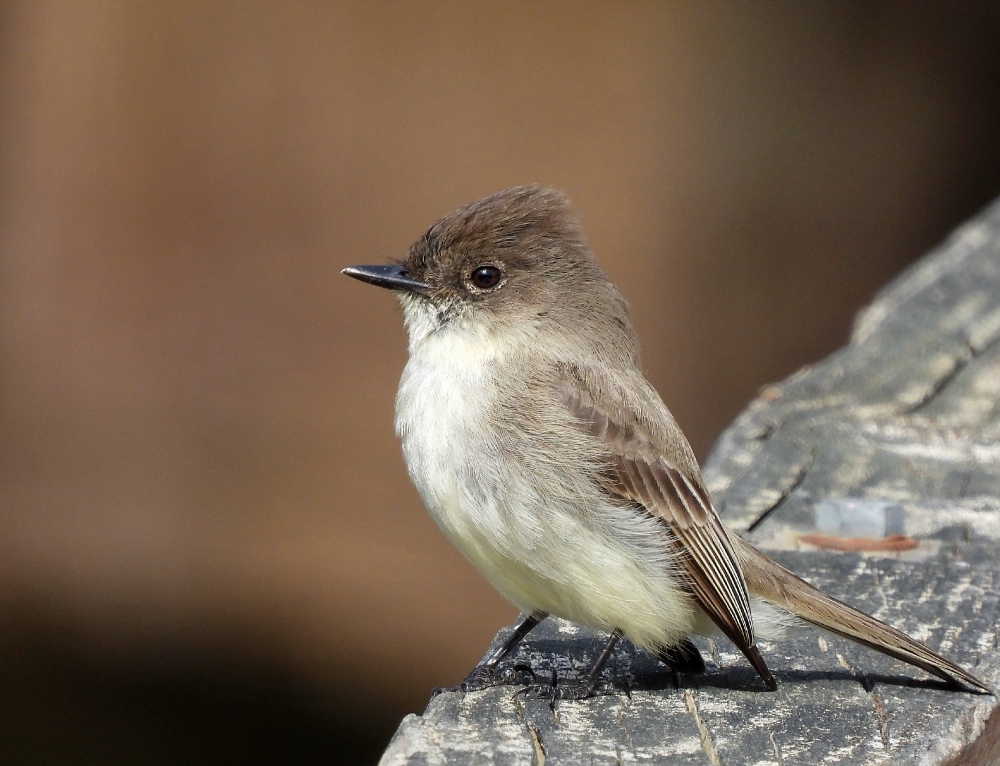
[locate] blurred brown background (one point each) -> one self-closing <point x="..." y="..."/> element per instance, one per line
<point x="209" y="549"/>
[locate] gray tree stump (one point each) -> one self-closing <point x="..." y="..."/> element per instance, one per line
<point x="891" y="444"/>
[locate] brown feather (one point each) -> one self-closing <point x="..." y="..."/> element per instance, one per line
<point x="672" y="492"/>
<point x="778" y="585"/>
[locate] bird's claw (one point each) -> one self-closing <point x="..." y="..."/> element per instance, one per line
<point x="485" y="678"/>
<point x="567" y="689"/>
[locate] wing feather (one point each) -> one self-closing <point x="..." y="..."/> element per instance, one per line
<point x="639" y="472"/>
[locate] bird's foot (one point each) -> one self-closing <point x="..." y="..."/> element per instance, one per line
<point x="567" y="689"/>
<point x="485" y="678"/>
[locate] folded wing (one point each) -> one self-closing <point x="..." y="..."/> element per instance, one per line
<point x="647" y="473"/>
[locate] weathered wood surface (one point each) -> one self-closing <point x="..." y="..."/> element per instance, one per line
<point x="897" y="434"/>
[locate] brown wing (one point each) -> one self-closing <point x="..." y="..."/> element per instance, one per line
<point x="642" y="473"/>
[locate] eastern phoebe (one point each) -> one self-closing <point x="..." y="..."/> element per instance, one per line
<point x="543" y="453"/>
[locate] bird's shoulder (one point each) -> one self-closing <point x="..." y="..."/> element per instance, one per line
<point x="625" y="411"/>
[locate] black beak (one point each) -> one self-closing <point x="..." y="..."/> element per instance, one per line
<point x="389" y="277"/>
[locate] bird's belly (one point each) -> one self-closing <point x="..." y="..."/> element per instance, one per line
<point x="576" y="555"/>
<point x="566" y="568"/>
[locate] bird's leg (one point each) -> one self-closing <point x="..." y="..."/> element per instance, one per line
<point x="523" y="628"/>
<point x="580" y="688"/>
<point x="589" y="681"/>
<point x="484" y="675"/>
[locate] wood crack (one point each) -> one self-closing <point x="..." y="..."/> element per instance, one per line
<point x="878" y="705"/>
<point x="536" y="743"/>
<point x="978" y="349"/>
<point x="796" y="482"/>
<point x="777" y="750"/>
<point x="703" y="733"/>
<point x="628" y="735"/>
<point x="960" y="363"/>
<point x="940" y="384"/>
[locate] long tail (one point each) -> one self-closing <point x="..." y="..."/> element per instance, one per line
<point x="776" y="584"/>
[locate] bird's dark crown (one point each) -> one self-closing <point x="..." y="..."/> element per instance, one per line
<point x="526" y="229"/>
<point x="543" y="278"/>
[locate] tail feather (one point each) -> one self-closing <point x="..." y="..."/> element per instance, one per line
<point x="774" y="583"/>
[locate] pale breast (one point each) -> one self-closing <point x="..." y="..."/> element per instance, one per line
<point x="443" y="410"/>
<point x="546" y="542"/>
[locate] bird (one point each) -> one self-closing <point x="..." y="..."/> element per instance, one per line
<point x="546" y="457"/>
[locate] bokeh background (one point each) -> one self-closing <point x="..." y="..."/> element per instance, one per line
<point x="209" y="550"/>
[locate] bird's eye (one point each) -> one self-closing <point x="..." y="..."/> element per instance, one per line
<point x="486" y="277"/>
